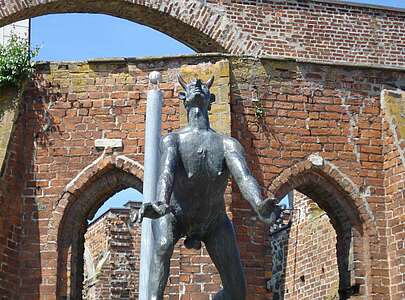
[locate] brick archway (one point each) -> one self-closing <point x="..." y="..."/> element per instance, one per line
<point x="81" y="199"/>
<point x="349" y="214"/>
<point x="192" y="22"/>
<point x="315" y="164"/>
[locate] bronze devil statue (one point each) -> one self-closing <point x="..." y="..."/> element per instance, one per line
<point x="195" y="166"/>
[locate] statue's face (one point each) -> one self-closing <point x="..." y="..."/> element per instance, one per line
<point x="196" y="94"/>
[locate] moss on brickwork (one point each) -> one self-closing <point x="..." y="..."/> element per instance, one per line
<point x="333" y="292"/>
<point x="75" y="78"/>
<point x="8" y="114"/>
<point x="394" y="105"/>
<point x="394" y="145"/>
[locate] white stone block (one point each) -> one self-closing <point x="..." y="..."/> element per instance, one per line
<point x="316" y="160"/>
<point x="108" y="143"/>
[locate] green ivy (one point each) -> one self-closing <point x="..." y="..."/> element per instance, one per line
<point x="15" y="62"/>
<point x="259" y="110"/>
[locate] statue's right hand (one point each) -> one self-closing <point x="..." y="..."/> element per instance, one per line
<point x="269" y="212"/>
<point x="152" y="210"/>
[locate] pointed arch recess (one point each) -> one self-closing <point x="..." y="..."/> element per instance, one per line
<point x="349" y="211"/>
<point x="326" y="173"/>
<point x="195" y="23"/>
<point x="80" y="200"/>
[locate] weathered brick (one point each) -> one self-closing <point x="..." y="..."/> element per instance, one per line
<point x="362" y="163"/>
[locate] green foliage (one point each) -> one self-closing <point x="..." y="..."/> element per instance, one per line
<point x="259" y="110"/>
<point x="15" y="62"/>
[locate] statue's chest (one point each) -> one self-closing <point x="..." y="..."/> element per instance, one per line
<point x="202" y="156"/>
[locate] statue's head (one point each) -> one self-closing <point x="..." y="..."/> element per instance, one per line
<point x="196" y="93"/>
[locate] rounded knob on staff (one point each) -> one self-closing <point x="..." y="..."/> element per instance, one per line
<point x="155" y="78"/>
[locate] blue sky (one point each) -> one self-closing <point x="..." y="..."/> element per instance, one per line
<point x="119" y="200"/>
<point x="83" y="36"/>
<point x="393" y="3"/>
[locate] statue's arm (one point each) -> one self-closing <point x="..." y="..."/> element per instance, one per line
<point x="250" y="189"/>
<point x="168" y="164"/>
<point x="236" y="163"/>
<point x="160" y="206"/>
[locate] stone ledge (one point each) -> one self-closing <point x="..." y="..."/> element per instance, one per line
<point x="218" y="55"/>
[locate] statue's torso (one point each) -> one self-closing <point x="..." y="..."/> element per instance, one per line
<point x="200" y="180"/>
<point x="201" y="155"/>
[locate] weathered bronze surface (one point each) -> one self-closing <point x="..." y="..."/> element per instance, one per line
<point x="195" y="166"/>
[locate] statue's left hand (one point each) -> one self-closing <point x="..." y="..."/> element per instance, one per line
<point x="269" y="212"/>
<point x="152" y="210"/>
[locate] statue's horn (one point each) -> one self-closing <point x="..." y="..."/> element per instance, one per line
<point x="210" y="82"/>
<point x="181" y="81"/>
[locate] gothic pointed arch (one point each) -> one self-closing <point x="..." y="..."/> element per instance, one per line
<point x="81" y="198"/>
<point x="347" y="207"/>
<point x="316" y="171"/>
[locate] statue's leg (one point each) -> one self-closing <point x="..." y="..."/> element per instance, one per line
<point x="221" y="246"/>
<point x="166" y="237"/>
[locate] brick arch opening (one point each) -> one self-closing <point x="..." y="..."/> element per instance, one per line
<point x="347" y="211"/>
<point x="191" y="22"/>
<point x="302" y="254"/>
<point x="82" y="198"/>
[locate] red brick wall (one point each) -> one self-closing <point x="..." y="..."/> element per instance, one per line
<point x="97" y="236"/>
<point x="87" y="102"/>
<point x="394" y="183"/>
<point x="111" y="241"/>
<point x="193" y="276"/>
<point x="321" y="134"/>
<point x="315" y="30"/>
<point x="96" y="281"/>
<point x="306" y="253"/>
<point x="334" y="112"/>
<point x="10" y="216"/>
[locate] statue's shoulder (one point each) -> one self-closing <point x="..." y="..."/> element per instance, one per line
<point x="231" y="144"/>
<point x="169" y="140"/>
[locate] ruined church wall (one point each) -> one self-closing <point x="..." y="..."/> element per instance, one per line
<point x="115" y="252"/>
<point x="68" y="107"/>
<point x="321" y="30"/>
<point x="11" y="203"/>
<point x="394" y="181"/>
<point x="308" y="109"/>
<point x="328" y="31"/>
<point x="302" y="259"/>
<point x="333" y="112"/>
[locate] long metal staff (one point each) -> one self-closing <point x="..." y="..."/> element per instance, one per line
<point x="151" y="171"/>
